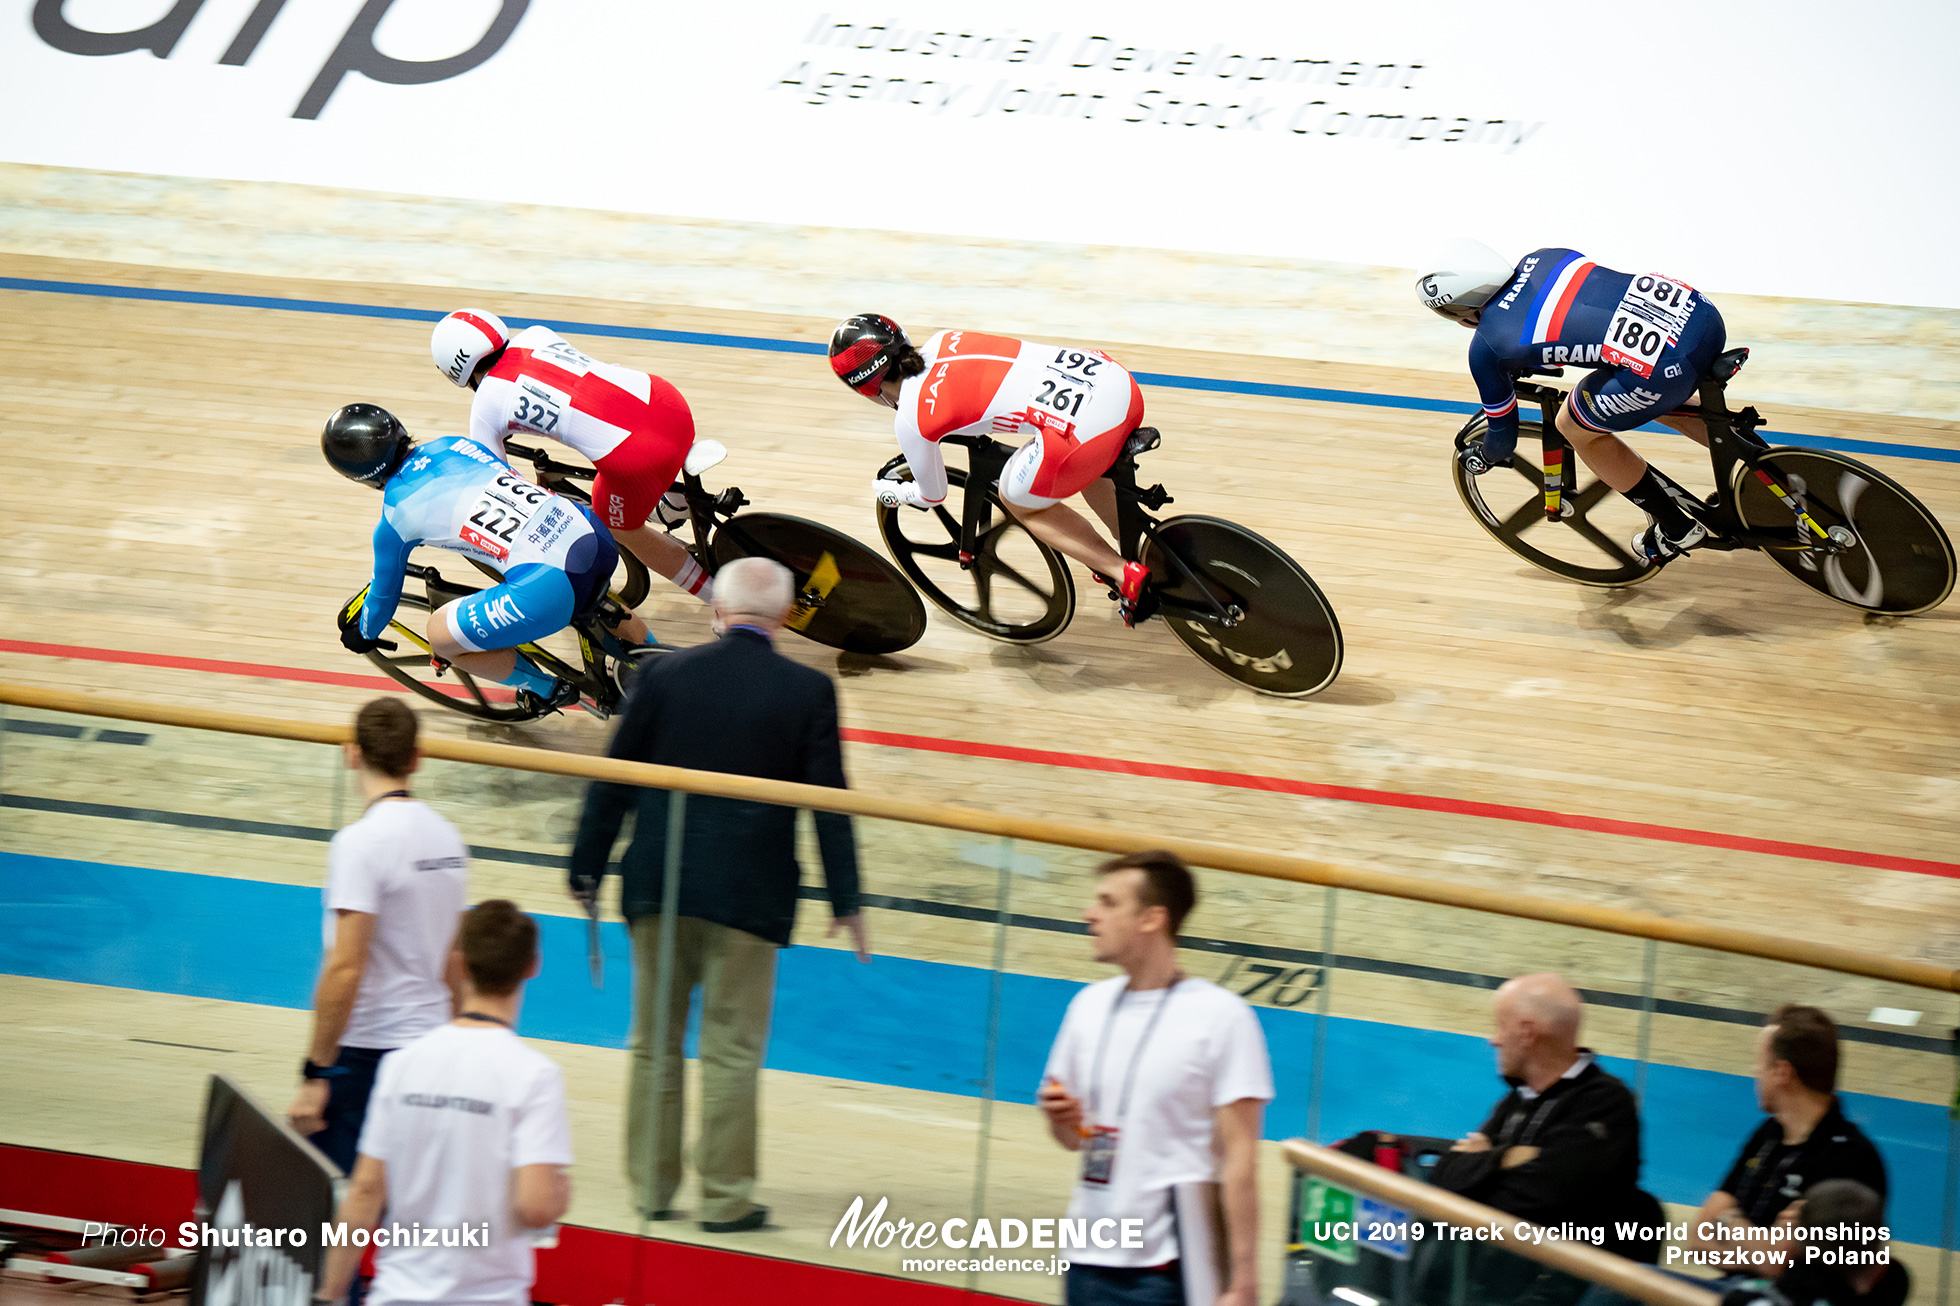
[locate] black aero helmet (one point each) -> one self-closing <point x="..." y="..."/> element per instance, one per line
<point x="365" y="443"/>
<point x="863" y="348"/>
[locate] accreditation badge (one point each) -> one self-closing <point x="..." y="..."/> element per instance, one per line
<point x="1099" y="1153"/>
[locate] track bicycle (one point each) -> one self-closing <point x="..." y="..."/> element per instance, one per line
<point x="603" y="670"/>
<point x="847" y="597"/>
<point x="1844" y="529"/>
<point x="1238" y="602"/>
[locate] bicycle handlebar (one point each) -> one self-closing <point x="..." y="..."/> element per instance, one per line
<point x="541" y="460"/>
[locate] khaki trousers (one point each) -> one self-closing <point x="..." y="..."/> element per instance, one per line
<point x="736" y="972"/>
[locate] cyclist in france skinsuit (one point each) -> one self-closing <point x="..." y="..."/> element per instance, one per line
<point x="455" y="494"/>
<point x="635" y="428"/>
<point x="1650" y="339"/>
<point x="1074" y="407"/>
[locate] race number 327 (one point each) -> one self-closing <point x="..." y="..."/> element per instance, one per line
<point x="1650" y="317"/>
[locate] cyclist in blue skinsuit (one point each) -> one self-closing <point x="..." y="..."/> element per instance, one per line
<point x="455" y="494"/>
<point x="1650" y="339"/>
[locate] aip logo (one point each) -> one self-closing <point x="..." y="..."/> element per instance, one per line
<point x="355" y="53"/>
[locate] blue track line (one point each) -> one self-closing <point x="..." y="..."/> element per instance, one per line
<point x="1313" y="394"/>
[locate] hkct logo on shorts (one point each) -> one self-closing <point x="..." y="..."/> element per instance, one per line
<point x="504" y="612"/>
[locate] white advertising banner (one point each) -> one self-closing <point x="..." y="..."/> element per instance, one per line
<point x="1773" y="147"/>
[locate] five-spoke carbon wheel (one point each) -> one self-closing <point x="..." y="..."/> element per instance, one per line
<point x="1014" y="588"/>
<point x="1588" y="543"/>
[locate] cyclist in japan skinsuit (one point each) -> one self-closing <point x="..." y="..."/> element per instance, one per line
<point x="455" y="494"/>
<point x="1650" y="339"/>
<point x="635" y="428"/>
<point x="1074" y="407"/>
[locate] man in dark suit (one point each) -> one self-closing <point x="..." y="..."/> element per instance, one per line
<point x="735" y="706"/>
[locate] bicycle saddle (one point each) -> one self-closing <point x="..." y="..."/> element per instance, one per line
<point x="704" y="454"/>
<point x="1142" y="441"/>
<point x="1727" y="365"/>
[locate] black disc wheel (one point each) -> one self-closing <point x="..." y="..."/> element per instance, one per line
<point x="1589" y="543"/>
<point x="630" y="581"/>
<point x="847" y="596"/>
<point x="1014" y="588"/>
<point x="1277" y="633"/>
<point x="1892" y="555"/>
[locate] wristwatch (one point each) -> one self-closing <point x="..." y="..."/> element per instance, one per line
<point x="309" y="1069"/>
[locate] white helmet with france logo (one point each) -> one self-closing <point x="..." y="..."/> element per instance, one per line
<point x="1461" y="279"/>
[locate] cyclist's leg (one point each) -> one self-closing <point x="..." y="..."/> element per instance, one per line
<point x="631" y="480"/>
<point x="480" y="633"/>
<point x="589" y="564"/>
<point x="1100" y="494"/>
<point x="1609" y="402"/>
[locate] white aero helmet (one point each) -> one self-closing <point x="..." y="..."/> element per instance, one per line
<point x="1462" y="278"/>
<point x="464" y="339"/>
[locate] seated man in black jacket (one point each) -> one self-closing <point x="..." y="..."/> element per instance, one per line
<point x="1805" y="1141"/>
<point x="1564" y="1144"/>
<point x="1562" y="1148"/>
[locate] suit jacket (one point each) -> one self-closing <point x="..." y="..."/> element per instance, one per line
<point x="739" y="707"/>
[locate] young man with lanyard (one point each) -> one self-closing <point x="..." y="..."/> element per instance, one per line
<point x="1156" y="1079"/>
<point x="395" y="888"/>
<point x="467" y="1136"/>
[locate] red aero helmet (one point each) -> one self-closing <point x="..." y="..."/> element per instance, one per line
<point x="862" y="349"/>
<point x="464" y="339"/>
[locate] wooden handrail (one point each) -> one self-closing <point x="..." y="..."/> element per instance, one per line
<point x="1098" y="838"/>
<point x="1581" y="1260"/>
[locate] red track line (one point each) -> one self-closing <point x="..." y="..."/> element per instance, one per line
<point x="1121" y="766"/>
<point x="256" y="670"/>
<point x="1415" y="802"/>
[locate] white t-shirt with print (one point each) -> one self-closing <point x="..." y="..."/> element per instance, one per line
<point x="453" y="1115"/>
<point x="1205" y="1051"/>
<point x="405" y="865"/>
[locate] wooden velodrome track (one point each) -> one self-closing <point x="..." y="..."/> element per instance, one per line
<point x="1725" y="745"/>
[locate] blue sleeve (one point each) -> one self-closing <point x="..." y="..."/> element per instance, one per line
<point x="1498" y="391"/>
<point x="385" y="590"/>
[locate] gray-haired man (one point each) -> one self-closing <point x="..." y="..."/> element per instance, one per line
<point x="739" y="707"/>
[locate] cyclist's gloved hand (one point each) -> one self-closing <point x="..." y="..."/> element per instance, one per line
<point x="355" y="642"/>
<point x="893" y="493"/>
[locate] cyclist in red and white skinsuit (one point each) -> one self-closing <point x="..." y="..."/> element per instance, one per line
<point x="1074" y="407"/>
<point x="635" y="428"/>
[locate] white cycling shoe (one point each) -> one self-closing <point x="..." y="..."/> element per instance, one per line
<point x="1658" y="547"/>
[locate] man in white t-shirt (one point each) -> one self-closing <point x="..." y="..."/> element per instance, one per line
<point x="395" y="887"/>
<point x="1157" y="1079"/>
<point x="466" y="1142"/>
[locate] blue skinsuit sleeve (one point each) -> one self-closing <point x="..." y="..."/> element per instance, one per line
<point x="385" y="590"/>
<point x="1498" y="391"/>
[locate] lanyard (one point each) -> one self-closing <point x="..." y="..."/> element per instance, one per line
<point x="392" y="793"/>
<point x="483" y="1016"/>
<point x="1102" y="1046"/>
